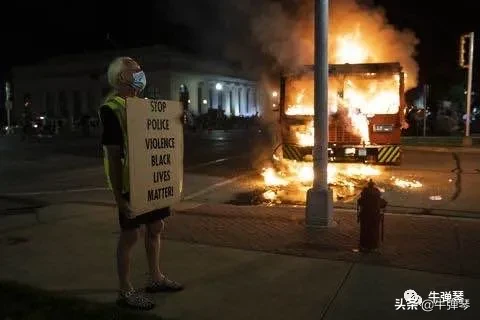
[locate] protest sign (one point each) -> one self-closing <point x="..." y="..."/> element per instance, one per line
<point x="155" y="153"/>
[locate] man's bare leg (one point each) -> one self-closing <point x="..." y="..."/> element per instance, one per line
<point x="152" y="247"/>
<point x="127" y="240"/>
<point x="159" y="282"/>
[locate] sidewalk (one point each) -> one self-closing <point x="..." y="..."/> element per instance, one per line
<point x="70" y="248"/>
<point x="446" y="149"/>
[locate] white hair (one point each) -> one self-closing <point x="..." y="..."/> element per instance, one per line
<point x="115" y="70"/>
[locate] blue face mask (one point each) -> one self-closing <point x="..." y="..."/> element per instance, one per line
<point x="139" y="80"/>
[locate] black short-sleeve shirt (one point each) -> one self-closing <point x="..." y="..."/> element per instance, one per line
<point x="112" y="131"/>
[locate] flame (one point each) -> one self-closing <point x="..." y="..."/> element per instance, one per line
<point x="350" y="48"/>
<point x="406" y="183"/>
<point x="300" y="96"/>
<point x="305" y="138"/>
<point x="297" y="175"/>
<point x="300" y="110"/>
<point x="362" y="171"/>
<point x="272" y="179"/>
<point x="360" y="96"/>
<point x="269" y="195"/>
<point x="346" y="180"/>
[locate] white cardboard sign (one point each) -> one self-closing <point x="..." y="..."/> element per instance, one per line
<point x="155" y="153"/>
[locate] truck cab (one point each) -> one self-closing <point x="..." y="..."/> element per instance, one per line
<point x="366" y="113"/>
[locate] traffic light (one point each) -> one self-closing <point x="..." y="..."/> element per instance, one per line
<point x="464" y="47"/>
<point x="462" y="51"/>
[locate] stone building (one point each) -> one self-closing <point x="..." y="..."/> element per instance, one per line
<point x="68" y="87"/>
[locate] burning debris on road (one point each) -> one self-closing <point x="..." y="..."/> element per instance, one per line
<point x="290" y="182"/>
<point x="405" y="183"/>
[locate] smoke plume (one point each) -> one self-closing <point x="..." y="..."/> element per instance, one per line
<point x="277" y="35"/>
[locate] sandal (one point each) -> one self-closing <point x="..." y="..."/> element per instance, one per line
<point x="135" y="300"/>
<point x="164" y="285"/>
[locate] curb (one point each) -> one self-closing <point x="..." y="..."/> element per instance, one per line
<point x="296" y="213"/>
<point x="442" y="149"/>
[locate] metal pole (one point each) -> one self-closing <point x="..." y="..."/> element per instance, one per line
<point x="467" y="140"/>
<point x="319" y="198"/>
<point x="320" y="119"/>
<point x="8" y="105"/>
<point x="469" y="88"/>
<point x="425" y="110"/>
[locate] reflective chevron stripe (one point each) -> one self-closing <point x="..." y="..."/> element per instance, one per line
<point x="292" y="152"/>
<point x="388" y="154"/>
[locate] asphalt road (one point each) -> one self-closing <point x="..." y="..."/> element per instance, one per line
<point x="53" y="170"/>
<point x="56" y="169"/>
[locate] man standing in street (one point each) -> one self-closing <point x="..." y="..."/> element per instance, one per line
<point x="128" y="80"/>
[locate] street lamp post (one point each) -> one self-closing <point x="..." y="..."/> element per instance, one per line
<point x="319" y="197"/>
<point x="8" y="105"/>
<point x="425" y="110"/>
<point x="467" y="140"/>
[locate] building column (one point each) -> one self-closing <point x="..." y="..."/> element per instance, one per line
<point x="215" y="96"/>
<point x="240" y="100"/>
<point x="243" y="106"/>
<point x="260" y="100"/>
<point x="193" y="97"/>
<point x="254" y="101"/>
<point x="247" y="101"/>
<point x="228" y="109"/>
<point x="236" y="110"/>
<point x="203" y="107"/>
<point x="222" y="94"/>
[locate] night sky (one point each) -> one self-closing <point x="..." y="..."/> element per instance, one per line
<point x="32" y="31"/>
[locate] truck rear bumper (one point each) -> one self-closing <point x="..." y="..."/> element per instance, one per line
<point x="384" y="154"/>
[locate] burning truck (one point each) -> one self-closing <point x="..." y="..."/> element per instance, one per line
<point x="366" y="113"/>
<point x="369" y="63"/>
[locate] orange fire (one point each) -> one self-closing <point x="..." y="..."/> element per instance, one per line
<point x="297" y="177"/>
<point x="357" y="35"/>
<point x="350" y="49"/>
<point x="361" y="96"/>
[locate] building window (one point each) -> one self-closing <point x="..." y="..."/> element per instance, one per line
<point x="199" y="99"/>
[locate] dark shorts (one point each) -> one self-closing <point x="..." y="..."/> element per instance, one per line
<point x="146" y="218"/>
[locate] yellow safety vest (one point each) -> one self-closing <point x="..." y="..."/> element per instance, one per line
<point x="117" y="105"/>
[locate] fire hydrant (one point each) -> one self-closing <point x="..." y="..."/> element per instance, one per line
<point x="370" y="207"/>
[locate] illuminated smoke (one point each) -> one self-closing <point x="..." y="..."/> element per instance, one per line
<point x="268" y="35"/>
